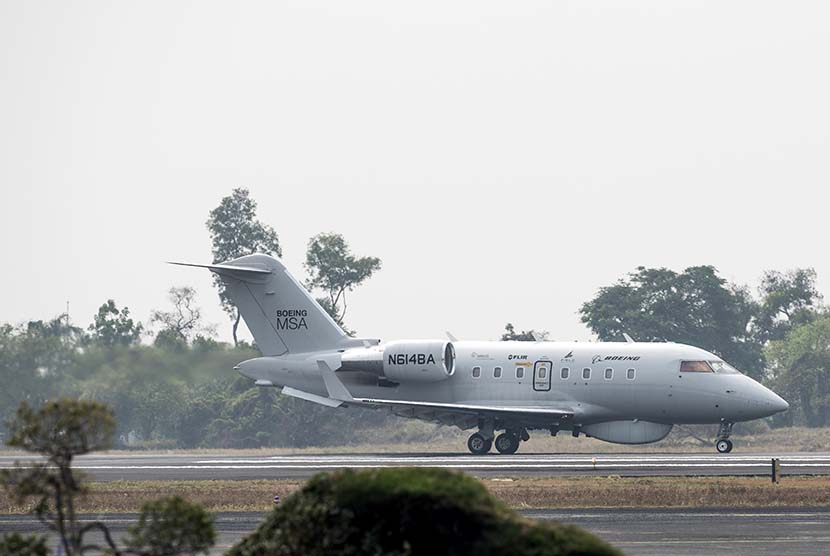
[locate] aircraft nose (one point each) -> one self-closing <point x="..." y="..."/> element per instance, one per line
<point x="770" y="402"/>
<point x="777" y="403"/>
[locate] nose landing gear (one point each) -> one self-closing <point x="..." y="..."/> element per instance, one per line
<point x="723" y="444"/>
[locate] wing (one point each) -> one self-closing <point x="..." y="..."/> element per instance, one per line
<point x="440" y="411"/>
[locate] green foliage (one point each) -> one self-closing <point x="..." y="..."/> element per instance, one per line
<point x="60" y="430"/>
<point x="113" y="327"/>
<point x="18" y="545"/>
<point x="788" y="299"/>
<point x="333" y="269"/>
<point x="406" y="511"/>
<point x="694" y="307"/>
<point x="235" y="232"/>
<point x="510" y="334"/>
<point x="35" y="361"/>
<point x="171" y="526"/>
<point x="800" y="369"/>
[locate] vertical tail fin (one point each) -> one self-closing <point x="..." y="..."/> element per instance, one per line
<point x="279" y="312"/>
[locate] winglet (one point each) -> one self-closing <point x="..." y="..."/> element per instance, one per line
<point x="335" y="387"/>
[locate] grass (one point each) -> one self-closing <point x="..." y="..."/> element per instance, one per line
<point x="438" y="440"/>
<point x="521" y="493"/>
<point x="419" y="437"/>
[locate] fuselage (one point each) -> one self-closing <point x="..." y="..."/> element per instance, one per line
<point x="598" y="382"/>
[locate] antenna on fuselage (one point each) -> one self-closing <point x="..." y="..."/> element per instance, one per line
<point x="628" y="338"/>
<point x="450" y="336"/>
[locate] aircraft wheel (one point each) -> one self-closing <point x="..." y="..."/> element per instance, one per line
<point x="507" y="443"/>
<point x="478" y="445"/>
<point x="723" y="446"/>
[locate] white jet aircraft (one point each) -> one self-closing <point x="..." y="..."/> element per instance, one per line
<point x="628" y="393"/>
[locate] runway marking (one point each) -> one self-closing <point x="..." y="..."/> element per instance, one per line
<point x="490" y="459"/>
<point x="440" y="465"/>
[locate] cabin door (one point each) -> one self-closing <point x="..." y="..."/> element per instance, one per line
<point x="541" y="375"/>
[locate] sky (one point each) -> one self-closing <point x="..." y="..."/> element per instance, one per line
<point x="504" y="160"/>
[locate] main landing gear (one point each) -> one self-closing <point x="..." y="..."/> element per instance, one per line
<point x="506" y="443"/>
<point x="723" y="444"/>
<point x="479" y="445"/>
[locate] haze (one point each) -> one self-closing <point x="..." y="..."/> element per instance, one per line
<point x="504" y="160"/>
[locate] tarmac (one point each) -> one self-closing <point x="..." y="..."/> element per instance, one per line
<point x="140" y="467"/>
<point x="666" y="532"/>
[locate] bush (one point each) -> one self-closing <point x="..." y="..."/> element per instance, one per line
<point x="171" y="526"/>
<point x="18" y="545"/>
<point x="407" y="511"/>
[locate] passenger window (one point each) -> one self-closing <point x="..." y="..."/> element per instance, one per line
<point x="497" y="372"/>
<point x="609" y="374"/>
<point x="631" y="373"/>
<point x="520" y="372"/>
<point x="476" y="372"/>
<point x="565" y="373"/>
<point x="695" y="367"/>
<point x="586" y="373"/>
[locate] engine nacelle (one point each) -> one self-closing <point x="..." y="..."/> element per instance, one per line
<point x="404" y="361"/>
<point x="418" y="360"/>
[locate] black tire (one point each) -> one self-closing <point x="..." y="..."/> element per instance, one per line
<point x="507" y="443"/>
<point x="724" y="446"/>
<point x="479" y="445"/>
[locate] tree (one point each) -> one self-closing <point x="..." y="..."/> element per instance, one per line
<point x="36" y="359"/>
<point x="694" y="307"/>
<point x="404" y="511"/>
<point x="333" y="269"/>
<point x="59" y="431"/>
<point x="183" y="322"/>
<point x="800" y="369"/>
<point x="113" y="328"/>
<point x="236" y="232"/>
<point x="171" y="526"/>
<point x="510" y="334"/>
<point x="787" y="299"/>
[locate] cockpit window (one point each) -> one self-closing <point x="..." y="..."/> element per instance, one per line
<point x="724" y="368"/>
<point x="695" y="367"/>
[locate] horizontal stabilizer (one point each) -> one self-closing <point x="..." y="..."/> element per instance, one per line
<point x="222" y="268"/>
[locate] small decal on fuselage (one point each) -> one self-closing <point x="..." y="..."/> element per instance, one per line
<point x="600" y="358"/>
<point x="291" y="319"/>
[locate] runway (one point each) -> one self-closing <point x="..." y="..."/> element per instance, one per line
<point x="667" y="532"/>
<point x="137" y="467"/>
